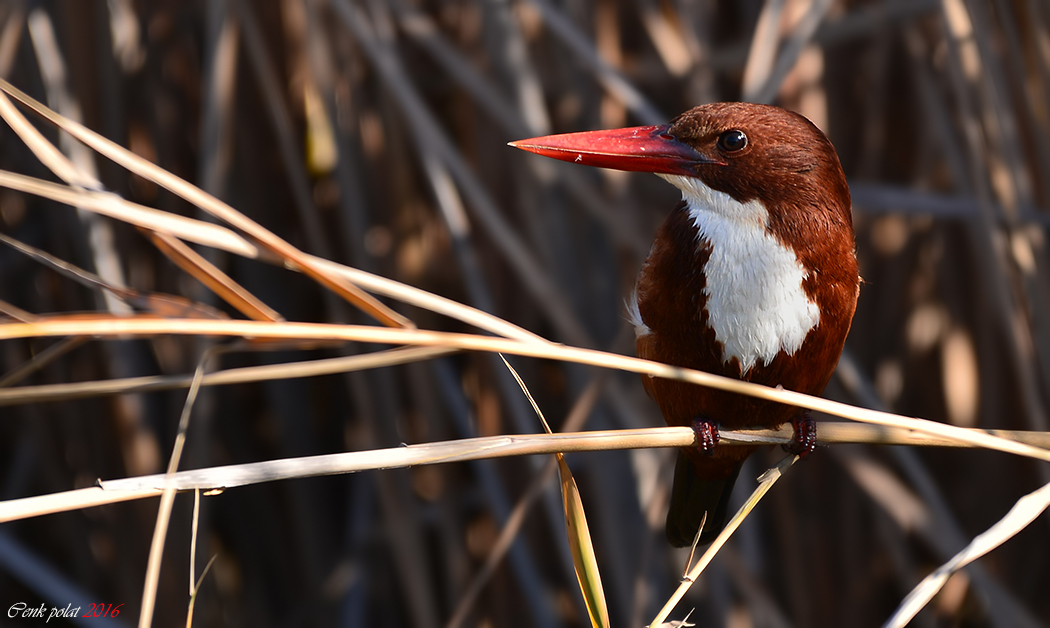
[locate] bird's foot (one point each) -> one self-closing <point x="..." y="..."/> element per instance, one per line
<point x="706" y="435"/>
<point x="804" y="440"/>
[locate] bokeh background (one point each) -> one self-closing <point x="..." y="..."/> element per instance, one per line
<point x="373" y="132"/>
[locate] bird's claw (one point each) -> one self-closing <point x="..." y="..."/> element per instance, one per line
<point x="706" y="435"/>
<point x="804" y="440"/>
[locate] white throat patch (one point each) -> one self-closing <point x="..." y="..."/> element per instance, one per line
<point x="755" y="300"/>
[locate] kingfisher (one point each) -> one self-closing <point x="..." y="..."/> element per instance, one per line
<point x="753" y="276"/>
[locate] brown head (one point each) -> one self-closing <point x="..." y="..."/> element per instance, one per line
<point x="748" y="151"/>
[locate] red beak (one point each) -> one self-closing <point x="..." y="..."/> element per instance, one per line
<point x="636" y="149"/>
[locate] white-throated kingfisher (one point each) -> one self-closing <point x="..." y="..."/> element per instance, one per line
<point x="752" y="276"/>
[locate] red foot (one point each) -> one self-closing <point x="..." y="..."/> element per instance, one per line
<point x="804" y="441"/>
<point x="706" y="435"/>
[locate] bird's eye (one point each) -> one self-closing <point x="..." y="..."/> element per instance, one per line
<point x="732" y="141"/>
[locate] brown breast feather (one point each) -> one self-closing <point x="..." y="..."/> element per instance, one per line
<point x="670" y="290"/>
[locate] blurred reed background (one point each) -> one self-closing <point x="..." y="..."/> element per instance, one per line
<point x="374" y="133"/>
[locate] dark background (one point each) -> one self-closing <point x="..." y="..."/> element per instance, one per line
<point x="940" y="115"/>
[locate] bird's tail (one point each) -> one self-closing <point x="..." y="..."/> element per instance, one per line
<point x="691" y="497"/>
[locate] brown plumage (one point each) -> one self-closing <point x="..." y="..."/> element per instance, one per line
<point x="753" y="275"/>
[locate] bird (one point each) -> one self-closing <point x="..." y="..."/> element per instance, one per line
<point x="753" y="275"/>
